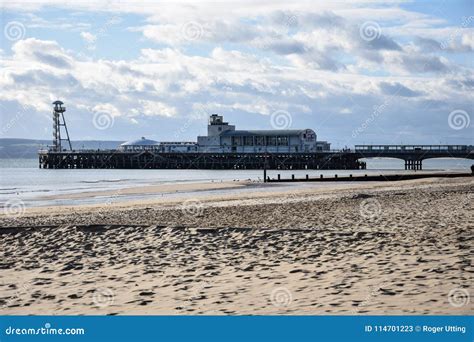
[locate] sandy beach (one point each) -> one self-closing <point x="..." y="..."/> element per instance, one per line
<point x="356" y="248"/>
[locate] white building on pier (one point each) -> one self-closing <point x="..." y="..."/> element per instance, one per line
<point x="224" y="138"/>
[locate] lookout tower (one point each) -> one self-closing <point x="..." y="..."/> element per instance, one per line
<point x="58" y="122"/>
<point x="217" y="125"/>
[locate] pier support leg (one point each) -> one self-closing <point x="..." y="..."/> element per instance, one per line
<point x="413" y="165"/>
<point x="265" y="169"/>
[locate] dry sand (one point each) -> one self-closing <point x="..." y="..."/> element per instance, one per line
<point x="380" y="248"/>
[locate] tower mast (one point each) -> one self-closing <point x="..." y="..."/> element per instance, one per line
<point x="58" y="122"/>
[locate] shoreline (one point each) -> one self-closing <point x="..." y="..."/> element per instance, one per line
<point x="136" y="193"/>
<point x="116" y="186"/>
<point x="205" y="192"/>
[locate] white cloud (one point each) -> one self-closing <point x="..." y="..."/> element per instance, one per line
<point x="107" y="108"/>
<point x="88" y="37"/>
<point x="467" y="40"/>
<point x="46" y="53"/>
<point x="156" y="108"/>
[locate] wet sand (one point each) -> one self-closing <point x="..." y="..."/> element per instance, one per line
<point x="380" y="248"/>
<point x="150" y="189"/>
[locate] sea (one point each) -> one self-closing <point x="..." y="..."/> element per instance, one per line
<point x="22" y="181"/>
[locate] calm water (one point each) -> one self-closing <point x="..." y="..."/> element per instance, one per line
<point x="21" y="179"/>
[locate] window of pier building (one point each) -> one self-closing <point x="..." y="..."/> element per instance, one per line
<point x="271" y="141"/>
<point x="282" y="141"/>
<point x="248" y="140"/>
<point x="237" y="141"/>
<point x="259" y="141"/>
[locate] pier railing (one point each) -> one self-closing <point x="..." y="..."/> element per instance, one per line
<point x="412" y="148"/>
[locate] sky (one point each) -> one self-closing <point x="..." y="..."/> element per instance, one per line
<point x="357" y="72"/>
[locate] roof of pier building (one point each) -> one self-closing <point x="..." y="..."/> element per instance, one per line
<point x="140" y="142"/>
<point x="282" y="132"/>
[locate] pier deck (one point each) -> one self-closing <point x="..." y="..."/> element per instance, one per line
<point x="413" y="155"/>
<point x="115" y="159"/>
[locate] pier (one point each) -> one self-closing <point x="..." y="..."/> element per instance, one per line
<point x="413" y="155"/>
<point x="116" y="159"/>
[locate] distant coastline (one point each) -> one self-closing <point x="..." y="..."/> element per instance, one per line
<point x="14" y="148"/>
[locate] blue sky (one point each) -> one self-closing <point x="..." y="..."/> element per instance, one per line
<point x="355" y="72"/>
